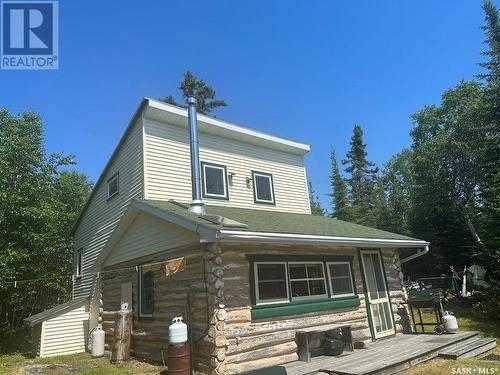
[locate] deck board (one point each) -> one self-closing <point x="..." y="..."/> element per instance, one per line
<point x="388" y="355"/>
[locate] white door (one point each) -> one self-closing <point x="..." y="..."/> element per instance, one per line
<point x="378" y="304"/>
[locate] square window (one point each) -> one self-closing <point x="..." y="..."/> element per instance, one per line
<point x="214" y="181"/>
<point x="113" y="186"/>
<point x="146" y="293"/>
<point x="263" y="187"/>
<point x="340" y="278"/>
<point x="271" y="283"/>
<point x="307" y="280"/>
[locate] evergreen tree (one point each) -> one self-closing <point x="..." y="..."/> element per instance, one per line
<point x="362" y="180"/>
<point x="316" y="208"/>
<point x="339" y="195"/>
<point x="204" y="94"/>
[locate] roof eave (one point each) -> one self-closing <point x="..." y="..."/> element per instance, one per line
<point x="266" y="237"/>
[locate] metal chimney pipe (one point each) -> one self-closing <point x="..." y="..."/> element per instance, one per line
<point x="197" y="206"/>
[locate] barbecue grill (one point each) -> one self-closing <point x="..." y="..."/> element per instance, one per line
<point x="429" y="299"/>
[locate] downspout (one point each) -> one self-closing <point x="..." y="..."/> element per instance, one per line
<point x="419" y="253"/>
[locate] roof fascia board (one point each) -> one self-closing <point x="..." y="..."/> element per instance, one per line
<point x="230" y="127"/>
<point x="133" y="120"/>
<point x="242" y="236"/>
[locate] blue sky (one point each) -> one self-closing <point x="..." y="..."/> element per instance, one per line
<point x="305" y="70"/>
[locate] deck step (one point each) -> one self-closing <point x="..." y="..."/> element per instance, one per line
<point x="468" y="348"/>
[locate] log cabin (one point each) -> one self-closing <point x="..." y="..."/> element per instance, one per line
<point x="230" y="207"/>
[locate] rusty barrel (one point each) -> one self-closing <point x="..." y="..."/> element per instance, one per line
<point x="179" y="360"/>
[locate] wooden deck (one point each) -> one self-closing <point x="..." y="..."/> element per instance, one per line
<point x="387" y="356"/>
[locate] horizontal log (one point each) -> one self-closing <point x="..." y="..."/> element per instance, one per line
<point x="270" y="351"/>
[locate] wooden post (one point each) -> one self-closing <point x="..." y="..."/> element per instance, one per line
<point x="123" y="333"/>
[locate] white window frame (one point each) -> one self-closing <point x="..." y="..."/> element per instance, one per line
<point x="271" y="183"/>
<point x="79" y="263"/>
<point x="330" y="280"/>
<point x="139" y="294"/>
<point x="224" y="178"/>
<point x="256" y="284"/>
<point x="116" y="177"/>
<point x="316" y="296"/>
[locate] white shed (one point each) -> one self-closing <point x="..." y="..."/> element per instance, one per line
<point x="61" y="330"/>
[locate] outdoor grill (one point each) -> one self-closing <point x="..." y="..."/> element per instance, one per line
<point x="429" y="299"/>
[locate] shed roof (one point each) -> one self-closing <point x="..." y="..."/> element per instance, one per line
<point x="55" y="311"/>
<point x="277" y="222"/>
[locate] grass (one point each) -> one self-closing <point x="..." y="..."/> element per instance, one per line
<point x="81" y="364"/>
<point x="468" y="320"/>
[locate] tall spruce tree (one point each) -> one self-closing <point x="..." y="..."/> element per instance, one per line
<point x="339" y="195"/>
<point x="316" y="208"/>
<point x="204" y="94"/>
<point x="363" y="174"/>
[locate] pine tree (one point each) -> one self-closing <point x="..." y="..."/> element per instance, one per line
<point x="362" y="181"/>
<point x="316" y="208"/>
<point x="204" y="94"/>
<point x="339" y="195"/>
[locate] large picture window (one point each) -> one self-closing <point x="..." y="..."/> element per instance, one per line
<point x="214" y="181"/>
<point x="340" y="279"/>
<point x="278" y="280"/>
<point x="146" y="293"/>
<point x="263" y="188"/>
<point x="307" y="280"/>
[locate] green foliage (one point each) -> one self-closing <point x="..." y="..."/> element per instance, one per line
<point x="38" y="205"/>
<point x="204" y="94"/>
<point x="316" y="208"/>
<point x="339" y="195"/>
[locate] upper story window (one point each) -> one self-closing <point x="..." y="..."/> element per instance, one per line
<point x="214" y="181"/>
<point x="146" y="293"/>
<point x="79" y="258"/>
<point x="263" y="189"/>
<point x="113" y="186"/>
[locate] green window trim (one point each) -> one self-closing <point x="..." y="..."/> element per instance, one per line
<point x="302" y="307"/>
<point x="224" y="197"/>
<point x="254" y="185"/>
<point x="269" y="310"/>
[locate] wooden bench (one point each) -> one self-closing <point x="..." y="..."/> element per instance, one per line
<point x="303" y="337"/>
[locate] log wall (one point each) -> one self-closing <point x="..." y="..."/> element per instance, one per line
<point x="270" y="342"/>
<point x="150" y="335"/>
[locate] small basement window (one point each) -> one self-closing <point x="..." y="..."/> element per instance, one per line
<point x="271" y="282"/>
<point x="307" y="280"/>
<point x="340" y="279"/>
<point x="214" y="181"/>
<point x="146" y="293"/>
<point x="113" y="186"/>
<point x="263" y="188"/>
<point x="79" y="256"/>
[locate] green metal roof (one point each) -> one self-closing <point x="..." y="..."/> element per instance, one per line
<point x="55" y="311"/>
<point x="277" y="222"/>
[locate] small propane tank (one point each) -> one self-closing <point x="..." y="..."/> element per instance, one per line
<point x="177" y="332"/>
<point x="98" y="336"/>
<point x="450" y="322"/>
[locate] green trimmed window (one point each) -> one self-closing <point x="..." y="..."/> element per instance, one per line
<point x="263" y="189"/>
<point x="295" y="284"/>
<point x="113" y="186"/>
<point x="214" y="181"/>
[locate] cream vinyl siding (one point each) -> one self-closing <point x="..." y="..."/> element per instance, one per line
<point x="148" y="235"/>
<point x="102" y="215"/>
<point x="64" y="334"/>
<point x="169" y="175"/>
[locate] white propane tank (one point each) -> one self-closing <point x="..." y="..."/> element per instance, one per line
<point x="177" y="332"/>
<point x="98" y="336"/>
<point x="450" y="322"/>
